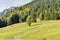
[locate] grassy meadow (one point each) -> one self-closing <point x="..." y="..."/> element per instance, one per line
<point x="42" y="30"/>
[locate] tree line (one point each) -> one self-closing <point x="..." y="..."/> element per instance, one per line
<point x="42" y="9"/>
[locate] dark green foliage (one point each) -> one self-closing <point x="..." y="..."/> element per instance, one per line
<point x="2" y="23"/>
<point x="15" y="19"/>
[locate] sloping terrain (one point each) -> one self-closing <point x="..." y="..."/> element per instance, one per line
<point x="42" y="9"/>
<point x="43" y="30"/>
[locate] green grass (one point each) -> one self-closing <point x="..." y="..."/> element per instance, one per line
<point x="49" y="30"/>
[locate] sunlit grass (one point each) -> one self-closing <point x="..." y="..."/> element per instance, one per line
<point x="49" y="30"/>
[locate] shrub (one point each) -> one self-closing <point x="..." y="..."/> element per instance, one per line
<point x="29" y="20"/>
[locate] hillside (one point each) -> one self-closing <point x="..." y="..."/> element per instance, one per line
<point x="44" y="30"/>
<point x="42" y="9"/>
<point x="37" y="20"/>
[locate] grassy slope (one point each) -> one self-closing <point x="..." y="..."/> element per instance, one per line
<point x="49" y="30"/>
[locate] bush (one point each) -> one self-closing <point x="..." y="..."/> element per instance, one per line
<point x="29" y="20"/>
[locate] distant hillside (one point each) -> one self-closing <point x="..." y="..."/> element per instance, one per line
<point x="42" y="9"/>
